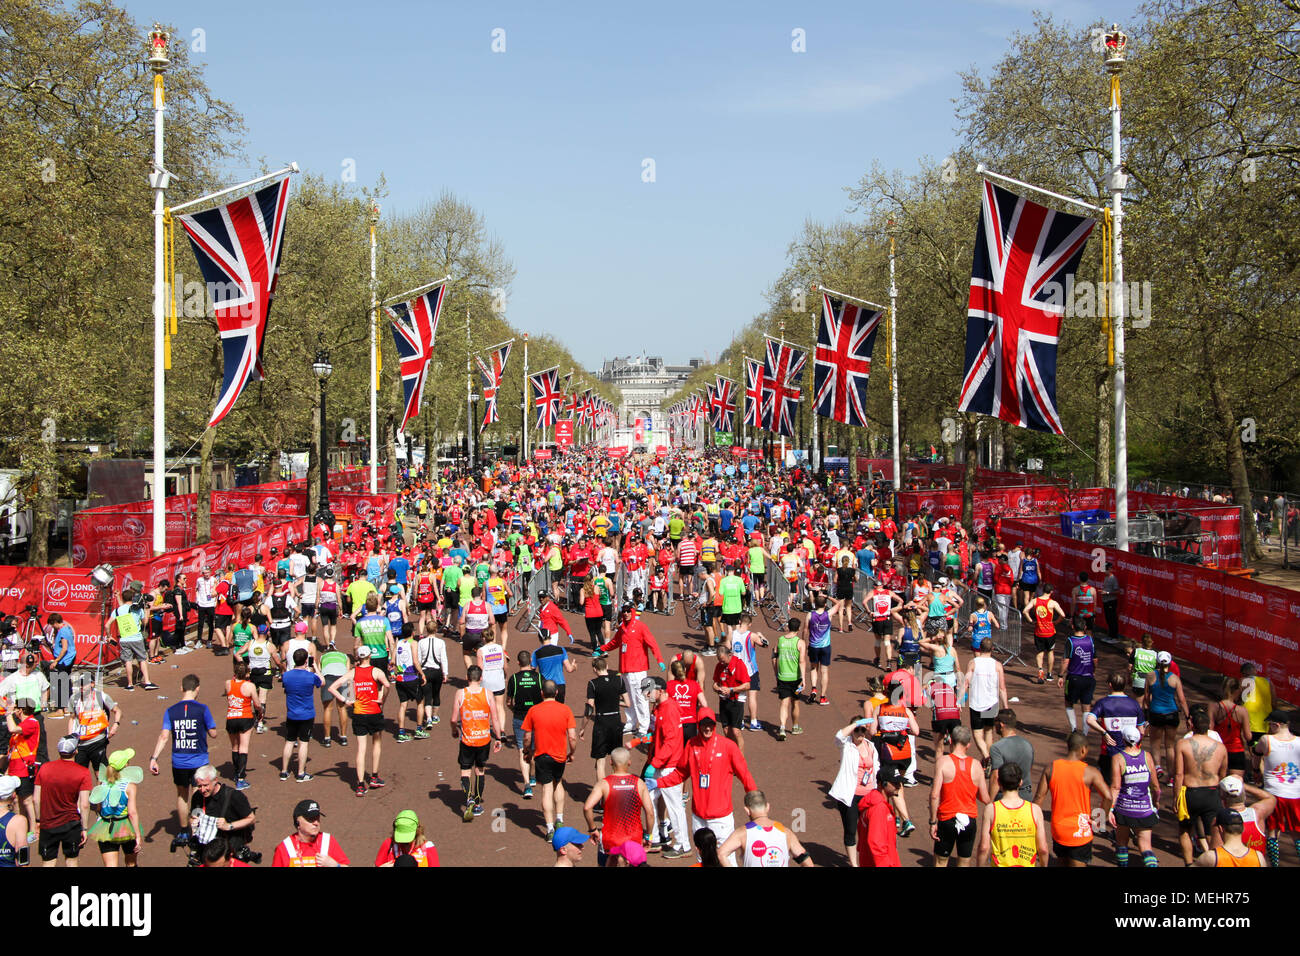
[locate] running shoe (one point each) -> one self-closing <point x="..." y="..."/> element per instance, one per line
<point x="149" y="686"/>
<point x="284" y="775"/>
<point x="261" y="726"/>
<point x="675" y="853"/>
<point x="528" y="792"/>
<point x="796" y="729"/>
<point x="823" y="701"/>
<point x="755" y="725"/>
<point x="780" y="734"/>
<point x="360" y="790"/>
<point x="421" y="733"/>
<point x="242" y="784"/>
<point x="327" y="743"/>
<point x="652" y="847"/>
<point x="709" y="652"/>
<point x="304" y="777"/>
<point x="812" y="698"/>
<point x="403" y="737"/>
<point x="907" y="829"/>
<point x="130" y="687"/>
<point x="376" y="783"/>
<point x="343" y="741"/>
<point x="478" y="809"/>
<point x="550" y="832"/>
<point x="911" y="782"/>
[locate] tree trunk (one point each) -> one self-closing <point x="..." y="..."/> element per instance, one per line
<point x="44" y="471"/>
<point x="390" y="472"/>
<point x="203" y="494"/>
<point x="1236" y="461"/>
<point x="853" y="455"/>
<point x="1105" y="411"/>
<point x="969" y="441"/>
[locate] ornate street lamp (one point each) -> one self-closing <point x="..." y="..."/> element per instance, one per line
<point x="323" y="370"/>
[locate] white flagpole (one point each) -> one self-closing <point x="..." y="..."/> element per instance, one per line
<point x="851" y="298"/>
<point x="279" y="173"/>
<point x="158" y="180"/>
<point x="1115" y="44"/>
<point x="374" y="356"/>
<point x="893" y="363"/>
<point x="418" y="290"/>
<point x="524" y="404"/>
<point x="985" y="171"/>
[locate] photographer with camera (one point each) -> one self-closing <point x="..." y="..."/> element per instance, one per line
<point x="217" y="810"/>
<point x="129" y="621"/>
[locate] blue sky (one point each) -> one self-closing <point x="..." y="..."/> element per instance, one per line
<point x="547" y="139"/>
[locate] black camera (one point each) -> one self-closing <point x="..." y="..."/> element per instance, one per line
<point x="32" y="609"/>
<point x="245" y="855"/>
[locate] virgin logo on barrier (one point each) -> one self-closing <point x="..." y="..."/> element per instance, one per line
<point x="68" y="593"/>
<point x="219" y="503"/>
<point x="270" y="505"/>
<point x="134" y="526"/>
<point x="78" y="555"/>
<point x="255" y="524"/>
<point x="363" y="506"/>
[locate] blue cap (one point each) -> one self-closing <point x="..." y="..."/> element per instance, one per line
<point x="566" y="835"/>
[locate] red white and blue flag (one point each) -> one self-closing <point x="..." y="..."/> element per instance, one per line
<point x="846" y="336"/>
<point x="1024" y="256"/>
<point x="547" y="396"/>
<point x="414" y="325"/>
<point x="722" y="402"/>
<point x="492" y="375"/>
<point x="238" y="250"/>
<point x="753" y="393"/>
<point x="782" y="369"/>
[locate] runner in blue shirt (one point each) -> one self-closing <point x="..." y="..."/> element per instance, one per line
<point x="188" y="724"/>
<point x="300" y="686"/>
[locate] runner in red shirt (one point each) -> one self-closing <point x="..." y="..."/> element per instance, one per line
<point x="731" y="682"/>
<point x="688" y="695"/>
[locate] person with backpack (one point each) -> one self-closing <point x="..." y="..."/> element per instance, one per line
<point x="426" y="596"/>
<point x="279" y="608"/>
<point x="245" y="583"/>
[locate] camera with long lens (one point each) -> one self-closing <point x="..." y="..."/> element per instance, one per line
<point x="245" y="855"/>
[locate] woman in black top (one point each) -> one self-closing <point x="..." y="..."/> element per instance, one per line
<point x="845" y="575"/>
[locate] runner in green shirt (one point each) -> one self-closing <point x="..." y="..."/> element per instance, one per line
<point x="732" y="590"/>
<point x="758" y="570"/>
<point x="790" y="661"/>
<point x="451" y="576"/>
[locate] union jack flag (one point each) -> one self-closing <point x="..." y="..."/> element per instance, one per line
<point x="492" y="376"/>
<point x="586" y="408"/>
<point x="238" y="250"/>
<point x="415" y="323"/>
<point x="846" y="336"/>
<point x="547" y="395"/>
<point x="1024" y="255"/>
<point x="753" y="393"/>
<point x="722" y="402"/>
<point x="782" y="369"/>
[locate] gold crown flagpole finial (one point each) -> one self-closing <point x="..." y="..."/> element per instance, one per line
<point x="1116" y="44"/>
<point x="157" y="58"/>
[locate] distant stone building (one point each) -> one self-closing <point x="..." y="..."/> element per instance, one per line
<point x="644" y="382"/>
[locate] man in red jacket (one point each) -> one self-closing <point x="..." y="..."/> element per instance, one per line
<point x="877" y="828"/>
<point x="552" y="621"/>
<point x="665" y="753"/>
<point x="711" y="762"/>
<point x="634" y="640"/>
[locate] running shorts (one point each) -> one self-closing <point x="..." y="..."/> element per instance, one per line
<point x="950" y="838"/>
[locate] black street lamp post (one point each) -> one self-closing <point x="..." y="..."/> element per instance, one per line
<point x="323" y="369"/>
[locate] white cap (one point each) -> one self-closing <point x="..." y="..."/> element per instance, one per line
<point x="1232" y="786"/>
<point x="1132" y="735"/>
<point x="1164" y="657"/>
<point x="363" y="651"/>
<point x="9" y="786"/>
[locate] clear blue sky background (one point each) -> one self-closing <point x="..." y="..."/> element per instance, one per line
<point x="547" y="139"/>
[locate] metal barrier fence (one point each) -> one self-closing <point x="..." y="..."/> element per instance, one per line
<point x="1006" y="638"/>
<point x="781" y="591"/>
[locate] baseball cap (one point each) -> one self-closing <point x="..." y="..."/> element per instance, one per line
<point x="889" y="775"/>
<point x="1232" y="786"/>
<point x="1227" y="818"/>
<point x="943" y="580"/>
<point x="404" y="826"/>
<point x="363" y="650"/>
<point x="651" y="684"/>
<point x="1164" y="657"/>
<point x="68" y="744"/>
<point x="118" y="759"/>
<point x="1132" y="735"/>
<point x="8" y="786"/>
<point x="632" y="851"/>
<point x="300" y="627"/>
<point x="1279" y="717"/>
<point x="566" y="835"/>
<point x="307" y="808"/>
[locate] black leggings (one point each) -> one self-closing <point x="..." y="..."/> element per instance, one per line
<point x="208" y="616"/>
<point x="849" y="817"/>
<point x="595" y="631"/>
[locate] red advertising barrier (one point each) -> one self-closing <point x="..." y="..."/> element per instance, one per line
<point x="541" y="454"/>
<point x="620" y="452"/>
<point x="118" y="537"/>
<point x="1216" y="620"/>
<point x="68" y="591"/>
<point x="1013" y="500"/>
<point x="381" y="507"/>
<point x="739" y="452"/>
<point x="241" y="550"/>
<point x="564" y="434"/>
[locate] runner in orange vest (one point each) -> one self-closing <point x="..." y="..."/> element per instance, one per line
<point x="370" y="687"/>
<point x="474" y="723"/>
<point x="1071" y="782"/>
<point x="1042" y="612"/>
<point x="243" y="711"/>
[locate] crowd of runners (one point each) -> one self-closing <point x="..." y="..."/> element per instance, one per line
<point x="350" y="640"/>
